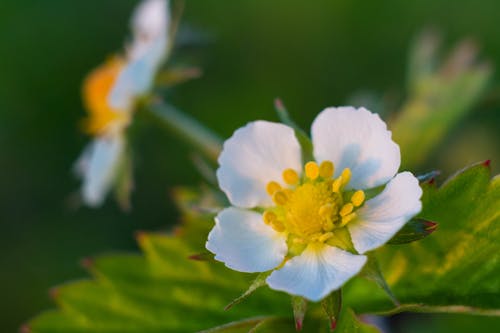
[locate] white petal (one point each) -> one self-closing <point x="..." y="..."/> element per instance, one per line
<point x="316" y="272"/>
<point x="145" y="54"/>
<point x="359" y="140"/>
<point x="137" y="77"/>
<point x="151" y="18"/>
<point x="99" y="169"/>
<point x="382" y="217"/>
<point x="243" y="242"/>
<point x="255" y="155"/>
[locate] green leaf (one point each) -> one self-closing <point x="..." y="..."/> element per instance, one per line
<point x="348" y="323"/>
<point x="439" y="96"/>
<point x="162" y="291"/>
<point x="456" y="269"/>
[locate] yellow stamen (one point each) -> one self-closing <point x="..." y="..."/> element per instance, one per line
<point x="312" y="170"/>
<point x="269" y="217"/>
<point x="272" y="187"/>
<point x="280" y="198"/>
<point x="325" y="210"/>
<point x="357" y="198"/>
<point x="347" y="219"/>
<point x="278" y="226"/>
<point x="337" y="183"/>
<point x="290" y="177"/>
<point x="346" y="209"/>
<point x="96" y="89"/>
<point x="346" y="176"/>
<point x="298" y="240"/>
<point x="326" y="169"/>
<point x="328" y="225"/>
<point x="325" y="237"/>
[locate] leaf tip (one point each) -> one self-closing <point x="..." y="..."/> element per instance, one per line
<point x="278" y="104"/>
<point x="299" y="305"/>
<point x="333" y="324"/>
<point x="54" y="293"/>
<point x="87" y="263"/>
<point x="203" y="256"/>
<point x="25" y="329"/>
<point x="298" y="325"/>
<point x="140" y="236"/>
<point x="430" y="226"/>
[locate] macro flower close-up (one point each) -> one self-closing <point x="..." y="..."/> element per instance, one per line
<point x="250" y="166"/>
<point x="110" y="93"/>
<point x="311" y="222"/>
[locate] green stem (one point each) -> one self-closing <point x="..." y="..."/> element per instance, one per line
<point x="187" y="128"/>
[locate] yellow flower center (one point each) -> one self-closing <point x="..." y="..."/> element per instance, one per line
<point x="311" y="207"/>
<point x="96" y="89"/>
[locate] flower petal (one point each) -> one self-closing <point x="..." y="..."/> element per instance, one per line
<point x="150" y="19"/>
<point x="359" y="140"/>
<point x="98" y="166"/>
<point x="382" y="217"/>
<point x="243" y="242"/>
<point x="255" y="155"/>
<point x="316" y="272"/>
<point x="145" y="55"/>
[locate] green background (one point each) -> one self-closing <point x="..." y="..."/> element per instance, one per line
<point x="312" y="54"/>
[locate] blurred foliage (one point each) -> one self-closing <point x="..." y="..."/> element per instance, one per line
<point x="455" y="269"/>
<point x="440" y="95"/>
<point x="250" y="52"/>
<point x="165" y="291"/>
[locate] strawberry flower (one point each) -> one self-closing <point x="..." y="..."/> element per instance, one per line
<point x="310" y="222"/>
<point x="110" y="93"/>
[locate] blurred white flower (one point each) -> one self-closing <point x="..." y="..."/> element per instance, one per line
<point x="110" y="93"/>
<point x="295" y="219"/>
<point x="145" y="54"/>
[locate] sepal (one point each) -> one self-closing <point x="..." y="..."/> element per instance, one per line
<point x="416" y="229"/>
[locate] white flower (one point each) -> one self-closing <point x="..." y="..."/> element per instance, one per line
<point x="110" y="93"/>
<point x="289" y="218"/>
<point x="145" y="54"/>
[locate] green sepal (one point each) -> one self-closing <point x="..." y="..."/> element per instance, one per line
<point x="124" y="180"/>
<point x="371" y="271"/>
<point x="299" y="306"/>
<point x="174" y="76"/>
<point x="342" y="239"/>
<point x="332" y="305"/>
<point x="304" y="140"/>
<point x="416" y="229"/>
<point x="259" y="281"/>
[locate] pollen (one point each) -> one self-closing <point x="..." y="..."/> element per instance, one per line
<point x="290" y="176"/>
<point x="346" y="176"/>
<point x="346" y="209"/>
<point x="272" y="187"/>
<point x="269" y="217"/>
<point x="337" y="183"/>
<point x="326" y="169"/>
<point x="310" y="207"/>
<point x="348" y="218"/>
<point x="96" y="89"/>
<point x="312" y="170"/>
<point x="280" y="198"/>
<point x="278" y="226"/>
<point x="358" y="198"/>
